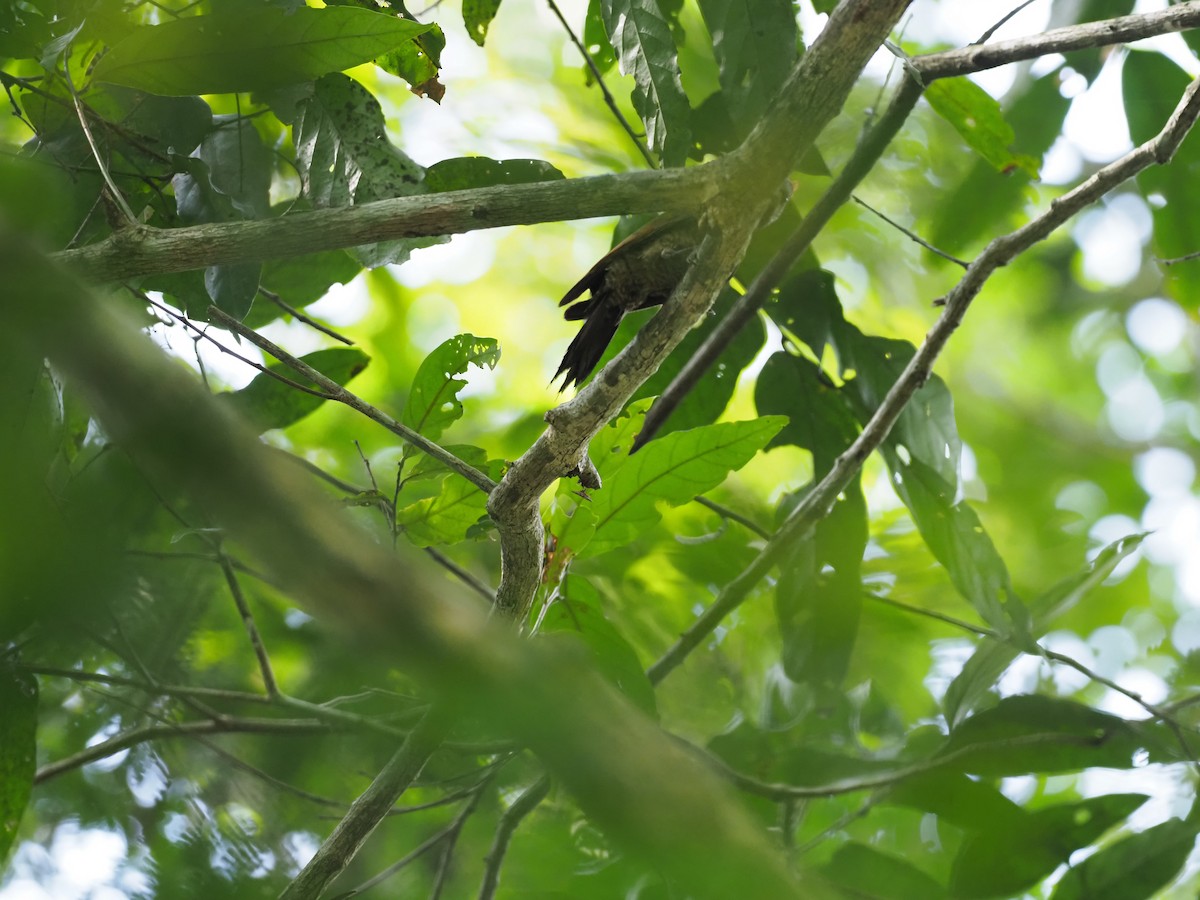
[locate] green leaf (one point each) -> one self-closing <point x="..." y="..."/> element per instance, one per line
<point x="251" y="50"/>
<point x="228" y="179"/>
<point x="477" y="15"/>
<point x="18" y="744"/>
<point x="595" y="39"/>
<point x="418" y="62"/>
<point x="465" y="172"/>
<point x="991" y="658"/>
<point x="346" y="159"/>
<point x="922" y="450"/>
<point x="1001" y="862"/>
<point x="867" y="873"/>
<point x="447" y="517"/>
<point x="755" y="43"/>
<point x="987" y="199"/>
<point x="577" y="612"/>
<point x="1151" y="85"/>
<point x="641" y="38"/>
<point x="673" y="469"/>
<point x="1133" y="868"/>
<point x="964" y="802"/>
<point x="818" y="598"/>
<point x="976" y="115"/>
<point x="433" y="403"/>
<point x="1030" y="733"/>
<point x="269" y="403"/>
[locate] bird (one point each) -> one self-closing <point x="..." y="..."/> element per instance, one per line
<point x="639" y="272"/>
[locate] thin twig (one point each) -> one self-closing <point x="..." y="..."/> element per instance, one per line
<point x="256" y="642"/>
<point x="505" y="828"/>
<point x="461" y="574"/>
<point x="911" y="235"/>
<point x="301" y="317"/>
<point x="335" y="391"/>
<point x="135" y="736"/>
<point x="451" y="839"/>
<point x="117" y="197"/>
<point x="608" y="97"/>
<point x="986" y="36"/>
<point x="726" y="513"/>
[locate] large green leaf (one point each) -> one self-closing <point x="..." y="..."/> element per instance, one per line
<point x="1001" y="862"/>
<point x="250" y="50"/>
<point x="991" y="658"/>
<point x="269" y="403"/>
<point x="922" y="450"/>
<point x="755" y="43"/>
<point x="818" y="598"/>
<point x="345" y="156"/>
<point x="673" y="469"/>
<point x="1133" y="868"/>
<point x="463" y="172"/>
<point x="228" y="179"/>
<point x="447" y="517"/>
<point x="577" y="611"/>
<point x="1031" y="733"/>
<point x="18" y="740"/>
<point x="641" y="38"/>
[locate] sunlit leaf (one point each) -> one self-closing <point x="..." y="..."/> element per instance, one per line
<point x="254" y="49"/>
<point x="976" y="115"/>
<point x="465" y="172"/>
<point x="433" y="403"/>
<point x="673" y="469"/>
<point x="477" y="16"/>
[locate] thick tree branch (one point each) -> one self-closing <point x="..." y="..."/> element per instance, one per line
<point x="999" y="252"/>
<point x="132" y="252"/>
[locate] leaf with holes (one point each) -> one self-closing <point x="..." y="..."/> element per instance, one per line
<point x="977" y="117"/>
<point x="433" y="403"/>
<point x="346" y="159"/>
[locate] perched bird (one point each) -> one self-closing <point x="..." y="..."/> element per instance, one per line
<point x="639" y="272"/>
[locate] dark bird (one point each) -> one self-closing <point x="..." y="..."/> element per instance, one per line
<point x="639" y="272"/>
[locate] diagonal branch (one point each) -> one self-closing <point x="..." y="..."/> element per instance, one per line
<point x="1000" y="252"/>
<point x="812" y="95"/>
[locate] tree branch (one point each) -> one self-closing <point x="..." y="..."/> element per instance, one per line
<point x="131" y="252"/>
<point x="999" y="252"/>
<point x="370" y="808"/>
<point x="978" y="57"/>
<point x="505" y="828"/>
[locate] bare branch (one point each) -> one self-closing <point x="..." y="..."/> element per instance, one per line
<point x="999" y="252"/>
<point x="505" y="828"/>
<point x="978" y="57"/>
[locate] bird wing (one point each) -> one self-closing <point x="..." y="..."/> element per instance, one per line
<point x="595" y="274"/>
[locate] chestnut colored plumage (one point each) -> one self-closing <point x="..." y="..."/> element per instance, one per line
<point x="640" y="271"/>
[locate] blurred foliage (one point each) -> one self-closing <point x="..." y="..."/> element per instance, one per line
<point x="880" y="699"/>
